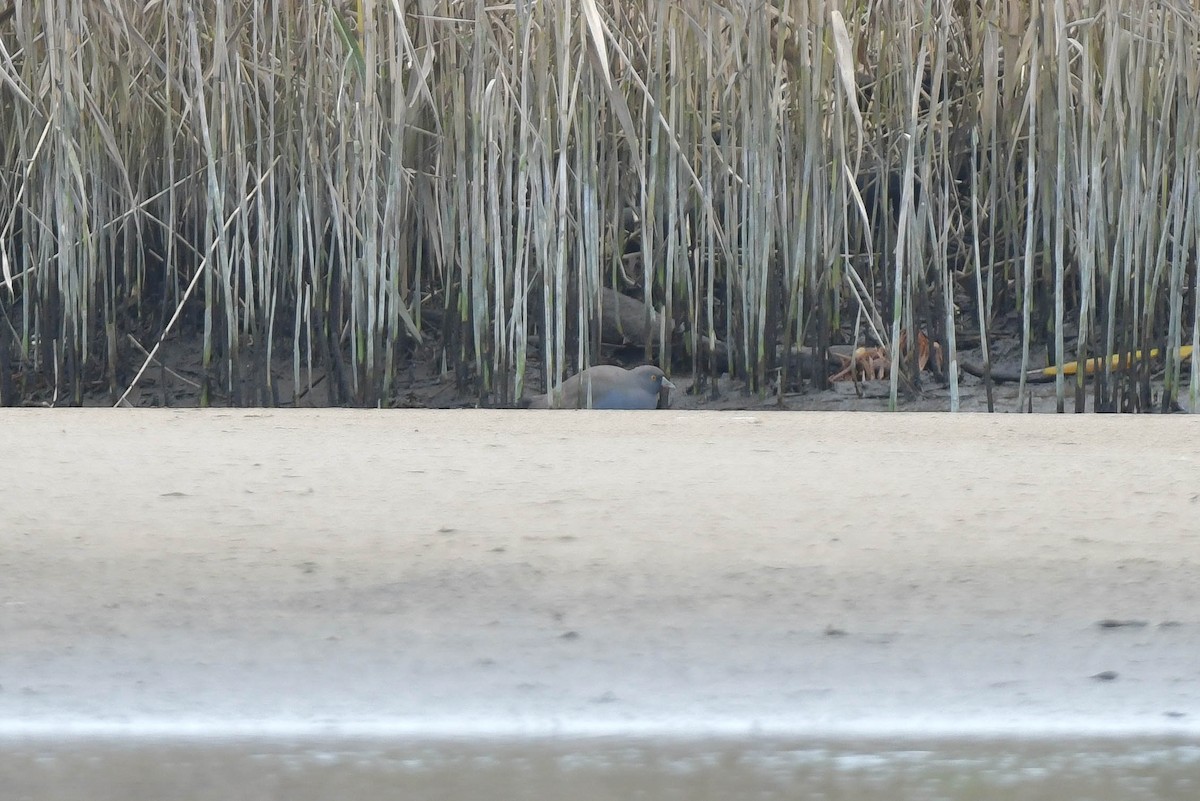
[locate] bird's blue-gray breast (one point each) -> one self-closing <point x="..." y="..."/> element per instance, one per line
<point x="608" y="387"/>
<point x="624" y="398"/>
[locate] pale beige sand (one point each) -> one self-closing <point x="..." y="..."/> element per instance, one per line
<point x="459" y="572"/>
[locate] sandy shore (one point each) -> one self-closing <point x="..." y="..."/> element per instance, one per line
<point x="424" y="573"/>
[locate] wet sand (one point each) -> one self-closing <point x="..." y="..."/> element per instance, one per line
<point x="411" y="576"/>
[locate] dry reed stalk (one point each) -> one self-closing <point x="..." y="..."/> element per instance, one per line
<point x="347" y="183"/>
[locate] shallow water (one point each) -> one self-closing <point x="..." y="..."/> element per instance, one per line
<point x="597" y="769"/>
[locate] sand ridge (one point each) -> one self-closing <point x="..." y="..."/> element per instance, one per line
<point x="476" y="571"/>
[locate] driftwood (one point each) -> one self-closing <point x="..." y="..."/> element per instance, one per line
<point x="624" y="325"/>
<point x="1003" y="376"/>
<point x="628" y="322"/>
<point x="1117" y="363"/>
<point x="803" y="362"/>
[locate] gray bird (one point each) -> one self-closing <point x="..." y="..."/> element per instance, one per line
<point x="611" y="388"/>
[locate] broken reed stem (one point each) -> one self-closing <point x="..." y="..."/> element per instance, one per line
<point x="481" y="161"/>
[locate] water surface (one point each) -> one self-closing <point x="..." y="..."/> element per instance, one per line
<point x="599" y="769"/>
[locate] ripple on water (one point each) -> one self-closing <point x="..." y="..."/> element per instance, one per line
<point x="602" y="768"/>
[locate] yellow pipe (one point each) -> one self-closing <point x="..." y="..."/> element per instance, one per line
<point x="1119" y="361"/>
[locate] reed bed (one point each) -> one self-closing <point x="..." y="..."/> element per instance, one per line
<point x="344" y="187"/>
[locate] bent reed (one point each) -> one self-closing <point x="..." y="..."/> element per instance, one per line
<point x="345" y="187"/>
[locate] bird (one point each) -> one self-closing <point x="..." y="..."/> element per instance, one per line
<point x="610" y="387"/>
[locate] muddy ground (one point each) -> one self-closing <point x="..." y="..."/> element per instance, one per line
<point x="174" y="375"/>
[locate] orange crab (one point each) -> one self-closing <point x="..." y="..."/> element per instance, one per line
<point x="875" y="364"/>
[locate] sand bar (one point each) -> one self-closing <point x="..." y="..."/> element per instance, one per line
<point x="425" y="573"/>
